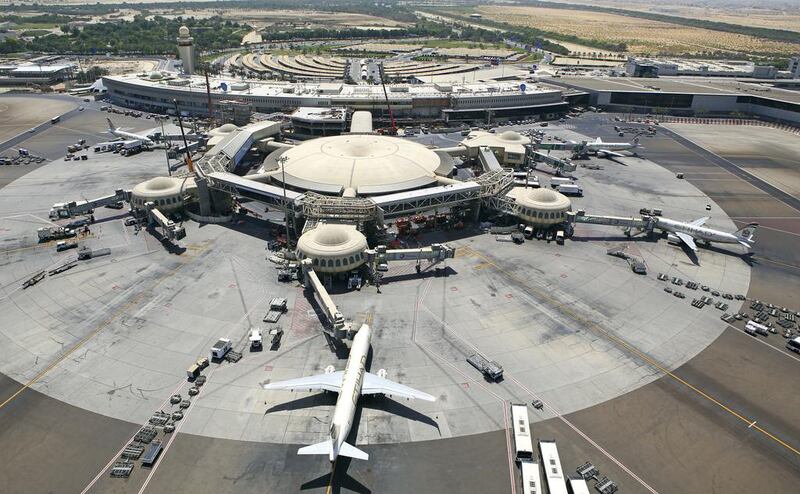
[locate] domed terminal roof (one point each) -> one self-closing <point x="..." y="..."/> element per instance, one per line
<point x="155" y="76"/>
<point x="158" y="187"/>
<point x="223" y="129"/>
<point x="333" y="242"/>
<point x="369" y="164"/>
<point x="541" y="199"/>
<point x="511" y="136"/>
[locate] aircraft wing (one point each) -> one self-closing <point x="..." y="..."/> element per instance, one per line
<point x="687" y="239"/>
<point x="321" y="382"/>
<point x="374" y="384"/>
<point x="699" y="221"/>
<point x="611" y="153"/>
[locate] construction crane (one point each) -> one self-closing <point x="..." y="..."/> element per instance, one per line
<point x="393" y="130"/>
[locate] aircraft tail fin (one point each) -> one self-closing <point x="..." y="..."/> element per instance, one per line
<point x="745" y="235"/>
<point x="110" y="124"/>
<point x="353" y="452"/>
<point x="598" y="141"/>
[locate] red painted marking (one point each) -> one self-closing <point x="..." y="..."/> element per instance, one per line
<point x="509" y="295"/>
<point x="564" y="275"/>
<point x="453" y="288"/>
<point x="268" y="367"/>
<point x="465" y="385"/>
<point x="232" y="285"/>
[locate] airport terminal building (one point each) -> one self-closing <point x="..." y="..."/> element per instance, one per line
<point x="451" y="102"/>
<point x="691" y="96"/>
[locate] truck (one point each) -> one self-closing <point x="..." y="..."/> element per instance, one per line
<point x="555" y="182"/>
<point x="62" y="245"/>
<point x="54" y="233"/>
<point x="55" y="119"/>
<point x="570" y="190"/>
<point x="490" y="369"/>
<point x="221" y="348"/>
<point x="255" y="339"/>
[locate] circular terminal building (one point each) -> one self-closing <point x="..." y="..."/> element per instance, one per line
<point x="542" y="207"/>
<point x="166" y="193"/>
<point x="333" y="248"/>
<point x="357" y="165"/>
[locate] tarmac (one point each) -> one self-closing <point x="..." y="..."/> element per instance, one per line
<point x="631" y="376"/>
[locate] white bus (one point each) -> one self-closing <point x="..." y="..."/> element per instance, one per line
<point x="551" y="463"/>
<point x="578" y="486"/>
<point x="531" y="481"/>
<point x="522" y="431"/>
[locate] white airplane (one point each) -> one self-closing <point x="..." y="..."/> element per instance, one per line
<point x="117" y="131"/>
<point x="350" y="384"/>
<point x="687" y="233"/>
<point x="608" y="149"/>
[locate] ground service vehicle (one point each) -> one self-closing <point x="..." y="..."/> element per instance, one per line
<point x="220" y="348"/>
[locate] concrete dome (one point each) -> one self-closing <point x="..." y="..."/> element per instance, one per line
<point x="165" y="192"/>
<point x="511" y="136"/>
<point x="333" y="248"/>
<point x="223" y="129"/>
<point x="155" y="76"/>
<point x="183" y="31"/>
<point x="540" y="206"/>
<point x="369" y="164"/>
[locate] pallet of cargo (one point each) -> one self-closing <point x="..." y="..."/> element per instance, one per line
<point x="145" y="434"/>
<point x="233" y="357"/>
<point x="132" y="451"/>
<point x="122" y="469"/>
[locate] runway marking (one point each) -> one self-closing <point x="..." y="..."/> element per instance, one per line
<point x="89" y="336"/>
<point x="632" y="349"/>
<point x="751" y="425"/>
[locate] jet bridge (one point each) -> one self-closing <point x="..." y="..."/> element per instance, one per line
<point x="560" y="165"/>
<point x="338" y="328"/>
<point x="169" y="229"/>
<point x="75" y="208"/>
<point x="488" y="160"/>
<point x="270" y="195"/>
<point x="643" y="223"/>
<point x="380" y="255"/>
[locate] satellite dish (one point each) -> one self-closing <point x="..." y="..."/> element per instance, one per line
<point x="223" y="86"/>
<point x="523" y="87"/>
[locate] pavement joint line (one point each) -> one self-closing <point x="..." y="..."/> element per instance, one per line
<point x="742" y="172"/>
<point x="555" y="411"/>
<point x="420" y="298"/>
<point x="89" y="336"/>
<point x="632" y="349"/>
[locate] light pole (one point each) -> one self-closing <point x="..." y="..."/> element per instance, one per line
<point x="282" y="161"/>
<point x="166" y="145"/>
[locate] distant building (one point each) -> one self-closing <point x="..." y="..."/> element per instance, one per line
<point x="794" y="67"/>
<point x="186" y="50"/>
<point x="644" y="67"/>
<point x="20" y="75"/>
<point x="319" y="122"/>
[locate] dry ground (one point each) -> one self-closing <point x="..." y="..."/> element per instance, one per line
<point x="755" y="16"/>
<point x="641" y="35"/>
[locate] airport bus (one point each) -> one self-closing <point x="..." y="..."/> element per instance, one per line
<point x="577" y="485"/>
<point x="531" y="481"/>
<point x="55" y="119"/>
<point x="522" y="431"/>
<point x="551" y="464"/>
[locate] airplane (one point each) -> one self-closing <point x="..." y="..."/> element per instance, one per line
<point x="117" y="131"/>
<point x="606" y="149"/>
<point x="351" y="383"/>
<point x="688" y="232"/>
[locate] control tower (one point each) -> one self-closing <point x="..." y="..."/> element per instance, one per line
<point x="186" y="50"/>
